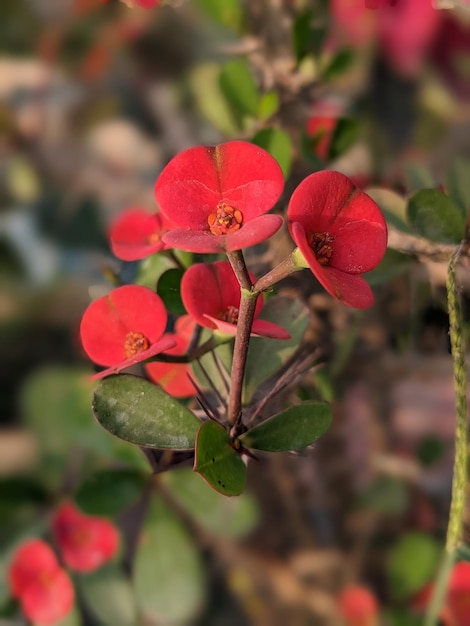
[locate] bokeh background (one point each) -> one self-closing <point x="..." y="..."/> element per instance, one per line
<point x="95" y="98"/>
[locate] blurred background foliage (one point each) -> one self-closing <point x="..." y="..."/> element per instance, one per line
<point x="94" y="99"/>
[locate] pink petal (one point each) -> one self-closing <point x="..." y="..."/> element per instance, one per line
<point x="239" y="173"/>
<point x="225" y="328"/>
<point x="107" y="321"/>
<point x="254" y="232"/>
<point x="163" y="345"/>
<point x="351" y="289"/>
<point x="131" y="235"/>
<point x="30" y="559"/>
<point x="263" y="328"/>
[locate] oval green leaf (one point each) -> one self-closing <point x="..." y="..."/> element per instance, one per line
<point x="108" y="492"/>
<point x="278" y="144"/>
<point x="238" y="86"/>
<point x="225" y="517"/>
<point x="134" y="409"/>
<point x="411" y="564"/>
<point x="108" y="594"/>
<point x="168" y="575"/>
<point x="434" y="216"/>
<point x="217" y="461"/>
<point x="168" y="288"/>
<point x="292" y="429"/>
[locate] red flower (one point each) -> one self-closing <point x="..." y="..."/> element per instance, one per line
<point x="321" y="125"/>
<point x="43" y="588"/>
<point x="174" y="377"/>
<point x="219" y="307"/>
<point x="218" y="197"/>
<point x="358" y="606"/>
<point x="136" y="234"/>
<point x="86" y="542"/>
<point x="341" y="233"/>
<point x="458" y="598"/>
<point x="124" y="327"/>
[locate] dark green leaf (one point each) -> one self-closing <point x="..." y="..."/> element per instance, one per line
<point x="19" y="490"/>
<point x="434" y="216"/>
<point x="227" y="517"/>
<point x="169" y="290"/>
<point x="458" y="183"/>
<point x="218" y="462"/>
<point x="339" y="64"/>
<point x="463" y="553"/>
<point x="138" y="411"/>
<point x="239" y="87"/>
<point x="108" y="594"/>
<point x="345" y="134"/>
<point x="151" y="268"/>
<point x="412" y="564"/>
<point x="277" y="142"/>
<point x="168" y="575"/>
<point x="108" y="492"/>
<point x="265" y="358"/>
<point x="306" y="38"/>
<point x="292" y="429"/>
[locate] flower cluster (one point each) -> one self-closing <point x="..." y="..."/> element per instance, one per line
<point x="37" y="580"/>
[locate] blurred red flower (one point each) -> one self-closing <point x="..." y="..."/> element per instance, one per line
<point x="137" y="234"/>
<point x="341" y="233"/>
<point x="86" y="542"/>
<point x="219" y="307"/>
<point x="218" y="197"/>
<point x="124" y="328"/>
<point x="358" y="606"/>
<point x="174" y="377"/>
<point x="43" y="588"/>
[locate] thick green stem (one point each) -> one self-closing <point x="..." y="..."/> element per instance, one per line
<point x="459" y="481"/>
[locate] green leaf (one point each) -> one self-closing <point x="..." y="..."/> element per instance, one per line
<point x="265" y="358"/>
<point x="226" y="517"/>
<point x="434" y="216"/>
<point x="109" y="596"/>
<point x="277" y="142"/>
<point x="108" y="492"/>
<point x="345" y="134"/>
<point x="386" y="495"/>
<point x="239" y="87"/>
<point x="292" y="429"/>
<point x="458" y="184"/>
<point x="412" y="564"/>
<point x="152" y="268"/>
<point x="218" y="462"/>
<point x="268" y="105"/>
<point x="392" y="205"/>
<point x="168" y="574"/>
<point x="138" y="411"/>
<point x="169" y="290"/>
<point x="306" y="38"/>
<point x="393" y="264"/>
<point x="417" y="176"/>
<point x="338" y="65"/>
<point x="229" y="13"/>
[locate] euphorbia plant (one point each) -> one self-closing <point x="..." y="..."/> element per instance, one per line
<point x="219" y="198"/>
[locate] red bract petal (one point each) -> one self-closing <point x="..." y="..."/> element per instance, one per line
<point x="242" y="175"/>
<point x="329" y="202"/>
<point x="458" y="599"/>
<point x="351" y="289"/>
<point x="136" y="234"/>
<point x="221" y="299"/>
<point x="49" y="599"/>
<point x="86" y="542"/>
<point x="263" y="328"/>
<point x="107" y="322"/>
<point x="30" y="559"/>
<point x="358" y="606"/>
<point x="204" y="242"/>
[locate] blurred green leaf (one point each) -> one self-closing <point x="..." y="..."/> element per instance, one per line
<point x="168" y="288"/>
<point x="108" y="594"/>
<point x="152" y="268"/>
<point x="228" y="13"/>
<point x="223" y="354"/>
<point x="277" y="142"/>
<point x="463" y="553"/>
<point x="411" y="564"/>
<point x="265" y="358"/>
<point x="392" y="205"/>
<point x="306" y="38"/>
<point x="293" y="429"/>
<point x="434" y="216"/>
<point x="338" y="65"/>
<point x="135" y="410"/>
<point x="393" y="264"/>
<point x="217" y="461"/>
<point x="430" y="450"/>
<point x="72" y="619"/>
<point x="22" y="180"/>
<point x="268" y="105"/>
<point x="417" y="176"/>
<point x="205" y="85"/>
<point x="458" y="184"/>
<point x="108" y="492"/>
<point x="345" y="134"/>
<point x="386" y="495"/>
<point x="168" y="575"/>
<point x="239" y="87"/>
<point x="17" y="490"/>
<point x="226" y="517"/>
